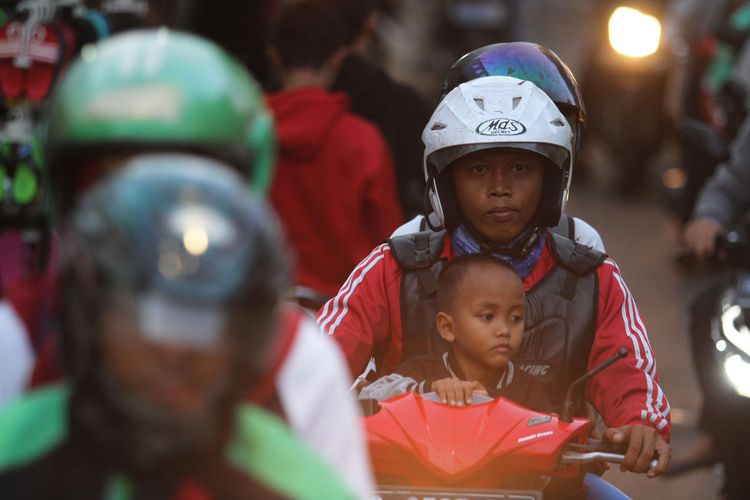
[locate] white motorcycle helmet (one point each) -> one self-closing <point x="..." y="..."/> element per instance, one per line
<point x="496" y="112"/>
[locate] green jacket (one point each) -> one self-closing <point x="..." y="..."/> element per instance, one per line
<point x="262" y="446"/>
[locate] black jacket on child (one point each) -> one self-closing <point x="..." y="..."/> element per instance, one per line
<point x="417" y="374"/>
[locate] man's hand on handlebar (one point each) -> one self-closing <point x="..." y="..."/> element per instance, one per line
<point x="643" y="444"/>
<point x="455" y="392"/>
<point x="701" y="234"/>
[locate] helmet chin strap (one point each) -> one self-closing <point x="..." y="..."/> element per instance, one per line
<point x="517" y="248"/>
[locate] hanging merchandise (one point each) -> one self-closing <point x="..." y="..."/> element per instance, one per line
<point x="38" y="39"/>
<point x="22" y="201"/>
<point x="34" y="47"/>
<point x="20" y="176"/>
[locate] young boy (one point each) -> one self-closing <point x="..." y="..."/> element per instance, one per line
<point x="480" y="303"/>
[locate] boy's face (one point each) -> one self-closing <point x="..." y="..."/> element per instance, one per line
<point x="485" y="319"/>
<point x="498" y="191"/>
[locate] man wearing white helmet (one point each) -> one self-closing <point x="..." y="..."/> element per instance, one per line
<point x="497" y="159"/>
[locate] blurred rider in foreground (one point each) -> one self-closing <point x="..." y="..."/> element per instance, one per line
<point x="161" y="91"/>
<point x="173" y="276"/>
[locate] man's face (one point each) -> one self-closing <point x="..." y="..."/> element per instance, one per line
<point x="177" y="378"/>
<point x="487" y="318"/>
<point x="498" y="191"/>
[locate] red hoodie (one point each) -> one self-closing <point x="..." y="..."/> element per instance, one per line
<point x="334" y="186"/>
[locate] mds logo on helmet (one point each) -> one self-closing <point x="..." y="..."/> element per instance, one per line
<point x="501" y="126"/>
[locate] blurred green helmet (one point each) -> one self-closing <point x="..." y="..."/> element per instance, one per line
<point x="157" y="90"/>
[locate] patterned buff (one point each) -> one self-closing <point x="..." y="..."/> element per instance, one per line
<point x="464" y="243"/>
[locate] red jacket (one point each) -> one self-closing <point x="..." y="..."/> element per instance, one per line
<point x="334" y="186"/>
<point x="366" y="315"/>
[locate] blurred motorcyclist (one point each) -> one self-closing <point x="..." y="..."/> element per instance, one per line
<point x="498" y="155"/>
<point x="723" y="201"/>
<point x="159" y="91"/>
<point x="711" y="98"/>
<point x="173" y="277"/>
<point x="724" y="198"/>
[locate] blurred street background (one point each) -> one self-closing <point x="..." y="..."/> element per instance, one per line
<point x="665" y="88"/>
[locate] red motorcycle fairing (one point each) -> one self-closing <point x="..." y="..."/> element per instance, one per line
<point x="414" y="441"/>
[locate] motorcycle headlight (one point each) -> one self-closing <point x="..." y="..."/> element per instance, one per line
<point x="633" y="33"/>
<point x="738" y="372"/>
<point x="734" y="328"/>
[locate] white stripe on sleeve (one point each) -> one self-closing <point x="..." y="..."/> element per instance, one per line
<point x="332" y="307"/>
<point x="657" y="408"/>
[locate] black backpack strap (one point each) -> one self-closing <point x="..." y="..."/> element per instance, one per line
<point x="569" y="286"/>
<point x="566" y="227"/>
<point x="571" y="228"/>
<point x="423" y="261"/>
<point x="578" y="259"/>
<point x="418" y="252"/>
<point x="418" y="256"/>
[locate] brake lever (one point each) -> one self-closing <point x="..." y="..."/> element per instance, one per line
<point x="576" y="458"/>
<point x="596" y="450"/>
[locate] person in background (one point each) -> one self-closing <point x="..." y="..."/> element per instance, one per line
<point x="334" y="187"/>
<point x="396" y="109"/>
<point x="723" y="201"/>
<point x="238" y="26"/>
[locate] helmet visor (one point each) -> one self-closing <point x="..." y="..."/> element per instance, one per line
<point x="164" y="320"/>
<point x="165" y="357"/>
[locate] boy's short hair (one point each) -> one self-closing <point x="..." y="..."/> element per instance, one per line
<point x="457" y="269"/>
<point x="307" y="33"/>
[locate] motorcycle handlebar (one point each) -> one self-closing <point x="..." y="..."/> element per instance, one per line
<point x="576" y="458"/>
<point x="734" y="246"/>
<point x="731" y="249"/>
